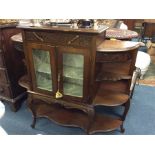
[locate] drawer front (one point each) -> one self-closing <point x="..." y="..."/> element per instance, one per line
<point x="113" y="57"/>
<point x="1" y="59"/>
<point x="5" y="91"/>
<point x="64" y="39"/>
<point x="3" y="76"/>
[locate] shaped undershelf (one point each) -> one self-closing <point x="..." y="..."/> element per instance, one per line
<point x="110" y="98"/>
<point x="76" y="118"/>
<point x="112" y="76"/>
<point x="104" y="123"/>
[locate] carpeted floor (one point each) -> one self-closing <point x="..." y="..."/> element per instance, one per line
<point x="140" y="119"/>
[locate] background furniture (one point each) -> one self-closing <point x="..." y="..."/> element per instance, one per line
<point x="149" y="28"/>
<point x="11" y="68"/>
<point x="121" y="34"/>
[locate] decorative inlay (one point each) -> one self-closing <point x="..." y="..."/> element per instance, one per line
<point x="112" y="57"/>
<point x="59" y="38"/>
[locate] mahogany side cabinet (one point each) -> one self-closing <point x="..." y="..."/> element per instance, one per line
<point x="72" y="71"/>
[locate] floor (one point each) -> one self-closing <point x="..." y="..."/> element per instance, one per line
<point x="139" y="121"/>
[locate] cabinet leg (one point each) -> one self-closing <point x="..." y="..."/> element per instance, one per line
<point x="30" y="105"/>
<point x="122" y="129"/>
<point x="33" y="122"/>
<point x="127" y="106"/>
<point x="15" y="106"/>
<point x="91" y="116"/>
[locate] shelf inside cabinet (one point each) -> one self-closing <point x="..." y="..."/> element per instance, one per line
<point x="111" y="76"/>
<point x="73" y="89"/>
<point x="44" y="81"/>
<point x="73" y="72"/>
<point x="41" y="59"/>
<point x="43" y="68"/>
<point x="110" y="98"/>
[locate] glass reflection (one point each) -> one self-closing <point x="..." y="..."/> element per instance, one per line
<point x="73" y="74"/>
<point x="42" y="66"/>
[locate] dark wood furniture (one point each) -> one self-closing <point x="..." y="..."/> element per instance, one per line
<point x="149" y="28"/>
<point x="130" y="23"/>
<point x="71" y="71"/>
<point x="11" y="68"/>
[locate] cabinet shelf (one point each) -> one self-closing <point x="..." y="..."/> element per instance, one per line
<point x="76" y="81"/>
<point x="73" y="89"/>
<point x="104" y="123"/>
<point x="73" y="72"/>
<point x="44" y="81"/>
<point x="24" y="82"/>
<point x="76" y="118"/>
<point x="112" y="76"/>
<point x="110" y="98"/>
<point x="44" y="68"/>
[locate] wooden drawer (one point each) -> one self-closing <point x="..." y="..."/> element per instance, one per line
<point x="112" y="57"/>
<point x="3" y="76"/>
<point x="55" y="38"/>
<point x="1" y="59"/>
<point x="5" y="91"/>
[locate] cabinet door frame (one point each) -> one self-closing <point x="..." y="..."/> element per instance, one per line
<point x="52" y="64"/>
<point x="86" y="72"/>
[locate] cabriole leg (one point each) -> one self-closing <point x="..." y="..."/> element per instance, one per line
<point x="127" y="106"/>
<point x="122" y="128"/>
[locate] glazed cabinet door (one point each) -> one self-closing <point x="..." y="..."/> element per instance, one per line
<point x="42" y="65"/>
<point x="73" y="72"/>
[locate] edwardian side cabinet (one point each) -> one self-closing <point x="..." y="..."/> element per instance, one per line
<point x="11" y="68"/>
<point x="67" y="71"/>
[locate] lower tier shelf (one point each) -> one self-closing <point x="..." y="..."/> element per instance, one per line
<point x="76" y="118"/>
<point x="109" y="98"/>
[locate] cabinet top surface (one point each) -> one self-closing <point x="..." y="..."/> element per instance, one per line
<point x="117" y="46"/>
<point x="99" y="30"/>
<point x="8" y="25"/>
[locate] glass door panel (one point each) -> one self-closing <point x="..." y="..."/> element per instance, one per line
<point x="42" y="67"/>
<point x="73" y="74"/>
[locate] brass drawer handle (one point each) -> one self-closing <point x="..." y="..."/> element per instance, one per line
<point x="38" y="37"/>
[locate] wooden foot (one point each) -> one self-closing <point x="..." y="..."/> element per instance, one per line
<point x="31" y="107"/>
<point x="34" y="122"/>
<point x="122" y="129"/>
<point x="91" y="115"/>
<point x="15" y="106"/>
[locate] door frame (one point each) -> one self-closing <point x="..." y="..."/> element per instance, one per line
<point x="86" y="74"/>
<point x="53" y="62"/>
